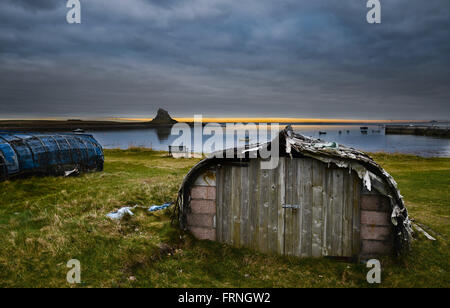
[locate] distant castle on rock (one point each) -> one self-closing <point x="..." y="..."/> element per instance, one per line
<point x="163" y="117"/>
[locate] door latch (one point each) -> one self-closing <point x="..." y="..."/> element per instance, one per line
<point x="291" y="206"/>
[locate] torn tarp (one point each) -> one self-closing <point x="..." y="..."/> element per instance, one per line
<point x="159" y="207"/>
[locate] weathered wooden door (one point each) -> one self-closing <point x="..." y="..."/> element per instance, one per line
<point x="321" y="210"/>
<point x="249" y="207"/>
<point x="301" y="208"/>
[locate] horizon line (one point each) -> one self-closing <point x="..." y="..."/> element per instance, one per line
<point x="232" y="120"/>
<point x="274" y="120"/>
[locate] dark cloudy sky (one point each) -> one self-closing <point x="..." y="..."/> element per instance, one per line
<point x="294" y="58"/>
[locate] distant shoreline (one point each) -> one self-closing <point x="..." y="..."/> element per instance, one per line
<point x="431" y="131"/>
<point x="55" y="125"/>
<point x="71" y="125"/>
<point x="287" y="120"/>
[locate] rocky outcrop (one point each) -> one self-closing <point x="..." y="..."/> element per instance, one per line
<point x="163" y="117"/>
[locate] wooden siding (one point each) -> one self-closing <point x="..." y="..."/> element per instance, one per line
<point x="376" y="227"/>
<point x="323" y="218"/>
<point x="202" y="215"/>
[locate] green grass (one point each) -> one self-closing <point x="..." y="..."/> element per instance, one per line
<point x="44" y="222"/>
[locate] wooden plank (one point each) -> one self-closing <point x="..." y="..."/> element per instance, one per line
<point x="330" y="212"/>
<point x="264" y="210"/>
<point x="273" y="210"/>
<point x="226" y="221"/>
<point x="281" y="201"/>
<point x="296" y="200"/>
<point x="325" y="210"/>
<point x="356" y="242"/>
<point x="347" y="214"/>
<point x="376" y="247"/>
<point x="203" y="233"/>
<point x="288" y="241"/>
<point x="299" y="200"/>
<point x="219" y="205"/>
<point x="294" y="231"/>
<point x="203" y="192"/>
<point x="200" y="220"/>
<point x="351" y="206"/>
<point x="222" y="204"/>
<point x="245" y="224"/>
<point x="375" y="218"/>
<point x="236" y="206"/>
<point x="203" y="207"/>
<point x="254" y="203"/>
<point x="337" y="211"/>
<point x="317" y="207"/>
<point x="306" y="243"/>
<point x="378" y="233"/>
<point x="378" y="203"/>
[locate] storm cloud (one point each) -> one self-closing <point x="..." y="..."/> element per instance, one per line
<point x="293" y="58"/>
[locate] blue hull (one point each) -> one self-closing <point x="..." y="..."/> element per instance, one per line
<point x="48" y="154"/>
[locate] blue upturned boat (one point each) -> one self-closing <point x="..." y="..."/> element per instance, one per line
<point x="48" y="154"/>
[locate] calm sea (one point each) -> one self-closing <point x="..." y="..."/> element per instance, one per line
<point x="374" y="140"/>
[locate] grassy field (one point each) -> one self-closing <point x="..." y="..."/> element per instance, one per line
<point x="44" y="222"/>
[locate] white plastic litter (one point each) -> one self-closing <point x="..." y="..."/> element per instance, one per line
<point x="121" y="213"/>
<point x="71" y="172"/>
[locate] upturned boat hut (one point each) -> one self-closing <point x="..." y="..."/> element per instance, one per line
<point x="48" y="154"/>
<point x="322" y="199"/>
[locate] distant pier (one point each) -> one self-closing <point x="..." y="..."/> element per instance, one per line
<point x="420" y="130"/>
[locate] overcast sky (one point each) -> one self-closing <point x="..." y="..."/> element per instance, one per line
<point x="286" y="58"/>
